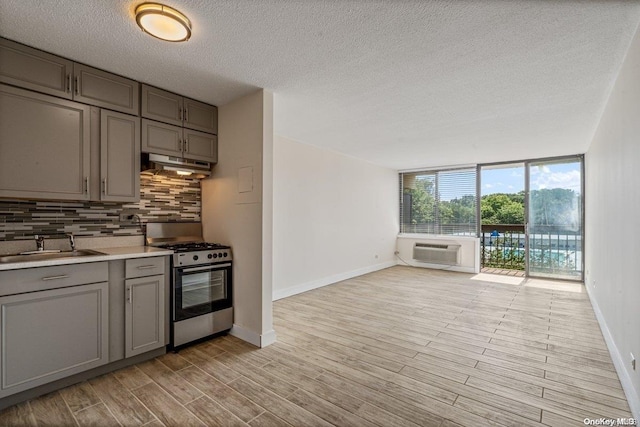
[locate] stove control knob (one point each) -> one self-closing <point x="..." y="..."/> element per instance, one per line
<point x="215" y="255"/>
<point x="225" y="254"/>
<point x="195" y="257"/>
<point x="209" y="256"/>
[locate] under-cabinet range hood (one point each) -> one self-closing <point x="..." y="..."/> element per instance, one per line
<point x="175" y="166"/>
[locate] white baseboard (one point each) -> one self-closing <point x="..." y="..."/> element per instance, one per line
<point x="268" y="338"/>
<point x="314" y="284"/>
<point x="245" y="335"/>
<point x="456" y="268"/>
<point x="253" y="337"/>
<point x="633" y="395"/>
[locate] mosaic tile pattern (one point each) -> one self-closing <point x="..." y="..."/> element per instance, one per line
<point x="161" y="199"/>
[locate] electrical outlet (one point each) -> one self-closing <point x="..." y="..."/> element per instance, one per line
<point x="633" y="362"/>
<point x="125" y="217"/>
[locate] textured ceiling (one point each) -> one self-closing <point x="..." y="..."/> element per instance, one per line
<point x="403" y="84"/>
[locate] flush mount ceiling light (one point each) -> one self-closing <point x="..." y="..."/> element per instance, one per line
<point x="163" y="22"/>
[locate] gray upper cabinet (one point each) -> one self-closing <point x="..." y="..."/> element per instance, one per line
<point x="167" y="107"/>
<point x="102" y="89"/>
<point x="178" y="126"/>
<point x="33" y="69"/>
<point x="200" y="146"/>
<point x="161" y="138"/>
<point x="199" y="116"/>
<point x="36" y="70"/>
<point x="44" y="146"/>
<point x="160" y="105"/>
<point x="119" y="157"/>
<point x="56" y="149"/>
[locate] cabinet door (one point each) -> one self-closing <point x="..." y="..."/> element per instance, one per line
<point x="119" y="157"/>
<point x="144" y="315"/>
<point x="200" y="146"/>
<point x="161" y="105"/>
<point x="160" y="138"/>
<point x="97" y="87"/>
<point x="50" y="335"/>
<point x="199" y="116"/>
<point x="44" y="146"/>
<point x="33" y="69"/>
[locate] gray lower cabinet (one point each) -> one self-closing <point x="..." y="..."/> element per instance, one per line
<point x="36" y="70"/>
<point x="44" y="146"/>
<point x="63" y="320"/>
<point x="145" y="305"/>
<point x="170" y="140"/>
<point x="49" y="335"/>
<point x="119" y="157"/>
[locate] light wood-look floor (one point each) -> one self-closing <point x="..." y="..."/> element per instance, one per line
<point x="399" y="347"/>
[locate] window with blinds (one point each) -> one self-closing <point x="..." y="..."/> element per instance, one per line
<point x="439" y="202"/>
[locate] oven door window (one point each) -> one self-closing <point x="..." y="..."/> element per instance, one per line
<point x="201" y="290"/>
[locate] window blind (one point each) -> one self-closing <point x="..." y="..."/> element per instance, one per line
<point x="439" y="202"/>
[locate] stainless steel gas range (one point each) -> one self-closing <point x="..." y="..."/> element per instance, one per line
<point x="201" y="281"/>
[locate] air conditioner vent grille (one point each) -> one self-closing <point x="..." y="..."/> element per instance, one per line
<point x="432" y="245"/>
<point x="437" y="253"/>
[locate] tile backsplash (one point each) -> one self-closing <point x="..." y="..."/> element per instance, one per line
<point x="162" y="198"/>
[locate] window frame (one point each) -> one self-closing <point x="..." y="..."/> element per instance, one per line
<point x="437" y="224"/>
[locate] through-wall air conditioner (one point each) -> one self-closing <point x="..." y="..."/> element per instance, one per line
<point x="437" y="253"/>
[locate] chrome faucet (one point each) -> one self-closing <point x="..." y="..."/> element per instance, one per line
<point x="72" y="242"/>
<point x="39" y="242"/>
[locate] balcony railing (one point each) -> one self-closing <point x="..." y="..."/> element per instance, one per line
<point x="553" y="250"/>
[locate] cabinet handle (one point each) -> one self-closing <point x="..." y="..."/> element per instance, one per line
<point x="69" y="83"/>
<point x="64" y="276"/>
<point x="129" y="295"/>
<point x="180" y="117"/>
<point x="77" y="85"/>
<point x="179" y="145"/>
<point x="186" y="145"/>
<point x="146" y="267"/>
<point x="104" y="186"/>
<point x="86" y="185"/>
<point x="186" y="114"/>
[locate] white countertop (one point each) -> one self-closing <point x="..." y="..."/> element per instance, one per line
<point x="106" y="254"/>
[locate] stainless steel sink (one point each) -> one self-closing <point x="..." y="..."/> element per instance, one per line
<point x="5" y="259"/>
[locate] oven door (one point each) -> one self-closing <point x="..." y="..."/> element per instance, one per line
<point x="200" y="290"/>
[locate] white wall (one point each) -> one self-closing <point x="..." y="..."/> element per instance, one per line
<point x="335" y="217"/>
<point x="612" y="228"/>
<point x="236" y="209"/>
<point x="469" y="250"/>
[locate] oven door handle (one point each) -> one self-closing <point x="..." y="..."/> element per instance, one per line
<point x="209" y="267"/>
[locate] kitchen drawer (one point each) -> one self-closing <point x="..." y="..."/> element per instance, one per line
<point x="59" y="276"/>
<point x="141" y="267"/>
